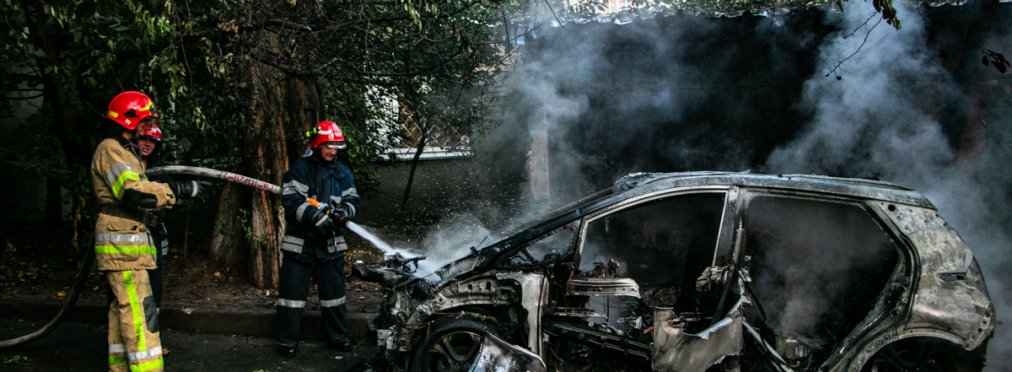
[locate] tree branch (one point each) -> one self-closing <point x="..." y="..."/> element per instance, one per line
<point x="833" y="71"/>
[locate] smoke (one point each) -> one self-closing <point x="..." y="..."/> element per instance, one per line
<point x="880" y="120"/>
<point x="647" y="96"/>
<point x="817" y="267"/>
<point x="451" y="240"/>
<point x="685" y="93"/>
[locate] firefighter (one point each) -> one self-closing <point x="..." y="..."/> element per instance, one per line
<point x="123" y="244"/>
<point x="319" y="196"/>
<point x="149" y="142"/>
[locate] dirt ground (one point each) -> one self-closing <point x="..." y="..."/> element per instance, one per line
<point x="43" y="270"/>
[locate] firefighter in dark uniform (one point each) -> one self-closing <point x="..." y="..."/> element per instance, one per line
<point x="123" y="245"/>
<point x="149" y="142"/>
<point x="319" y="196"/>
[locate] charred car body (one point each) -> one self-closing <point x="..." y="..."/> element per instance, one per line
<point x="703" y="271"/>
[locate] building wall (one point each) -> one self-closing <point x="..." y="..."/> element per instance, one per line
<point x="439" y="186"/>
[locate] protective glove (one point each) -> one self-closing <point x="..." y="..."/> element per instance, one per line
<point x="322" y="221"/>
<point x="340" y="214"/>
<point x="184" y="189"/>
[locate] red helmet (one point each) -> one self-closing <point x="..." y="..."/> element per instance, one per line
<point x="326" y="131"/>
<point x="151" y="131"/>
<point x="129" y="108"/>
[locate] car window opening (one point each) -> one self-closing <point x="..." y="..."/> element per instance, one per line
<point x="817" y="268"/>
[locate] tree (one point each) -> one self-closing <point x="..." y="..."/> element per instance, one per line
<point x="76" y="56"/>
<point x="238" y="83"/>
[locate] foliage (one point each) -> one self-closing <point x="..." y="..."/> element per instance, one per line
<point x="18" y="266"/>
<point x="995" y="59"/>
<point x="192" y="57"/>
<point x="888" y="12"/>
<point x="18" y="359"/>
<point x="586" y="10"/>
<point x="32" y="148"/>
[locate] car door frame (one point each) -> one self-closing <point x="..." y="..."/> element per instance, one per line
<point x="725" y="232"/>
<point x="905" y="273"/>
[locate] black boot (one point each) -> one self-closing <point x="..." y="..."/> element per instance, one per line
<point x="287" y="351"/>
<point x="341" y="344"/>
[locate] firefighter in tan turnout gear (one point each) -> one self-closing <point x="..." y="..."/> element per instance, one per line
<point x="123" y="244"/>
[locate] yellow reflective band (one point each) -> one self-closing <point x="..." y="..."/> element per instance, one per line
<point x="110" y="178"/>
<point x="135" y="310"/>
<point x="147" y="366"/>
<point x="118" y="186"/>
<point x="112" y="114"/>
<point x="114" y="360"/>
<point x="119" y="249"/>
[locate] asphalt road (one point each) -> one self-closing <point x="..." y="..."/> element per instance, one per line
<point x="82" y="347"/>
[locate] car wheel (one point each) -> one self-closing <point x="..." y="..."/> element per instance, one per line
<point x="451" y="345"/>
<point x="919" y="354"/>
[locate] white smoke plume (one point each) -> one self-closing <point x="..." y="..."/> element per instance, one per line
<point x="451" y="240"/>
<point x="881" y="119"/>
<point x="875" y="122"/>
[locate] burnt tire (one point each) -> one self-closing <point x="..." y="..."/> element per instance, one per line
<point x="451" y="345"/>
<point x="923" y="355"/>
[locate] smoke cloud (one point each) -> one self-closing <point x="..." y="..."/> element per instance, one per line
<point x="880" y="120"/>
<point x="687" y="93"/>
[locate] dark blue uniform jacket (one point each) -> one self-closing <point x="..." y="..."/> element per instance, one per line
<point x="329" y="183"/>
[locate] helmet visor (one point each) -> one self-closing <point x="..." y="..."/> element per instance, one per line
<point x="335" y="145"/>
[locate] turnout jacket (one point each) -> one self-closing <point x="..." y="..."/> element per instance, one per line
<point x="122" y="241"/>
<point x="326" y="182"/>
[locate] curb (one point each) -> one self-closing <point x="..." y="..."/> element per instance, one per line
<point x="258" y="321"/>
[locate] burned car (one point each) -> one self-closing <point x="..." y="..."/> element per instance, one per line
<point x="702" y="271"/>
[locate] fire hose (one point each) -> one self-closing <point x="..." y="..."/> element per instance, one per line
<point x="257" y="184"/>
<point x="89" y="255"/>
<point x="82" y="276"/>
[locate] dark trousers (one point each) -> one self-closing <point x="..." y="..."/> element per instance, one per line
<point x="294" y="289"/>
<point x="155" y="276"/>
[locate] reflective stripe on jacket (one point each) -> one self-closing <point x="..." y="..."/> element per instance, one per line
<point x="122" y="242"/>
<point x="329" y="183"/>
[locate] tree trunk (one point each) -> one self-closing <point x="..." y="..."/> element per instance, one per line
<point x="267" y="222"/>
<point x="411" y="174"/>
<point x="304" y="109"/>
<point x="54" y="201"/>
<point x="229" y="239"/>
<point x="975" y="127"/>
<point x="280" y="110"/>
<point x="267" y="229"/>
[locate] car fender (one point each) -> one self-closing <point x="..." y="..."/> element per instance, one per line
<point x="949" y="293"/>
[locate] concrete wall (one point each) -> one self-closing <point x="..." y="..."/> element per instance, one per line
<point x="439" y="186"/>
